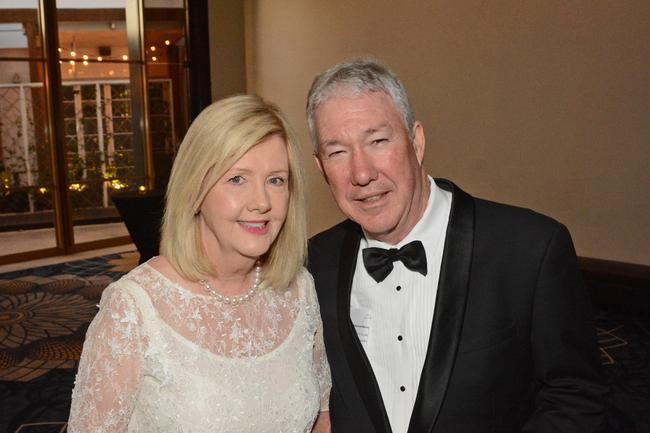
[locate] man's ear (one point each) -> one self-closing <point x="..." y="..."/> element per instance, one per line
<point x="319" y="164"/>
<point x="418" y="141"/>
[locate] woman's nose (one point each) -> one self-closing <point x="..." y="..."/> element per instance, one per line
<point x="259" y="200"/>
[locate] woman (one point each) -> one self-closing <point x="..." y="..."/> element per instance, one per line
<point x="221" y="332"/>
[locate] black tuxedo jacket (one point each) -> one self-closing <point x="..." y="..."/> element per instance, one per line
<point x="512" y="345"/>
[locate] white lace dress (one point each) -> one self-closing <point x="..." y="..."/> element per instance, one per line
<point x="159" y="358"/>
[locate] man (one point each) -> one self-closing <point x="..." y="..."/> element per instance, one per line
<point x="442" y="312"/>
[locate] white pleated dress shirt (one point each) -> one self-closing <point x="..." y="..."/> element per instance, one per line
<point x="393" y="318"/>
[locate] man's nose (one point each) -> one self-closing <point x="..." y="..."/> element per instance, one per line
<point x="362" y="169"/>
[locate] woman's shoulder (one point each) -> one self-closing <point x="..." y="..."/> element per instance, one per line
<point x="305" y="285"/>
<point x="128" y="291"/>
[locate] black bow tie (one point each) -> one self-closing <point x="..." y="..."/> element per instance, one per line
<point x="379" y="261"/>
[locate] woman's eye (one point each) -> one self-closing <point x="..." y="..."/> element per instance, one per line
<point x="236" y="180"/>
<point x="277" y="180"/>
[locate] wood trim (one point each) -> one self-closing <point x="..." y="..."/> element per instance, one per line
<point x="101" y="243"/>
<point x="627" y="274"/>
<point x="52" y="252"/>
<point x="106" y="14"/>
<point x="617" y="285"/>
<point x="30" y="255"/>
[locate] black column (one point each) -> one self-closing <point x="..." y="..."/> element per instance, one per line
<point x="199" y="62"/>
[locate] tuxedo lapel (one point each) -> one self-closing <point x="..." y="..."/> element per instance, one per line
<point x="451" y="300"/>
<point x="356" y="356"/>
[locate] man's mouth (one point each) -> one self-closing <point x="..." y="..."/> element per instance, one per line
<point x="372" y="198"/>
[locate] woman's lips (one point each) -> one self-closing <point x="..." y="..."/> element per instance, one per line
<point x="255" y="227"/>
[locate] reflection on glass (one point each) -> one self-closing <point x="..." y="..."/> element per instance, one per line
<point x="166" y="57"/>
<point x="25" y="172"/>
<point x="92" y="46"/>
<point x="20" y="34"/>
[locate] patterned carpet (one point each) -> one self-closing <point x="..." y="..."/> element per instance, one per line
<point x="44" y="314"/>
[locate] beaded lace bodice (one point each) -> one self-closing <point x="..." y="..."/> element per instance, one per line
<point x="159" y="358"/>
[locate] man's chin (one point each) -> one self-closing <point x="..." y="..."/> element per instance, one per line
<point x="376" y="228"/>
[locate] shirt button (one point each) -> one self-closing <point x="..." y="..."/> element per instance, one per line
<point x="402" y="388"/>
<point x="398" y="288"/>
<point x="399" y="338"/>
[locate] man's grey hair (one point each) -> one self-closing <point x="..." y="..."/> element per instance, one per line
<point x="354" y="78"/>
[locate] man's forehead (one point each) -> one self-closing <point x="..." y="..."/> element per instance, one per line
<point x="349" y="94"/>
<point x="330" y="137"/>
<point x="376" y="108"/>
<point x="372" y="104"/>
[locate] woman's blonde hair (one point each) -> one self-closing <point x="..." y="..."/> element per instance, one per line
<point x="219" y="136"/>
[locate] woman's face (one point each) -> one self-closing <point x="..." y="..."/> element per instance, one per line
<point x="244" y="211"/>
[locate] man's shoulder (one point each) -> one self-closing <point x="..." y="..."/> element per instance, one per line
<point x="335" y="234"/>
<point x="497" y="211"/>
<point x="508" y="215"/>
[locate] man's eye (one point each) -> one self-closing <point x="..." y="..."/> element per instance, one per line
<point x="236" y="180"/>
<point x="379" y="140"/>
<point x="335" y="153"/>
<point x="277" y="180"/>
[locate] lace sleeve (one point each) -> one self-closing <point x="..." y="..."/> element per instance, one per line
<point x="320" y="356"/>
<point x="109" y="368"/>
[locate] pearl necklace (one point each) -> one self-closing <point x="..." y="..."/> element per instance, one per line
<point x="238" y="299"/>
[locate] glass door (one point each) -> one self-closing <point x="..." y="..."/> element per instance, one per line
<point x="98" y="124"/>
<point x="102" y="114"/>
<point x="27" y="192"/>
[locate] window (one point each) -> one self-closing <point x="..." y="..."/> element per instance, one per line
<point x="93" y="101"/>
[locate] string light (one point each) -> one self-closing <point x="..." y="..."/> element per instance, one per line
<point x="73" y="53"/>
<point x="167" y="42"/>
<point x="154" y="58"/>
<point x="125" y="57"/>
<point x="72" y="62"/>
<point x="117" y="184"/>
<point x="152" y="48"/>
<point x="85" y="62"/>
<point x="85" y="57"/>
<point x="100" y="58"/>
<point x="76" y="187"/>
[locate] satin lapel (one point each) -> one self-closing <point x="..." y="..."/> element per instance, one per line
<point x="356" y="356"/>
<point x="449" y="313"/>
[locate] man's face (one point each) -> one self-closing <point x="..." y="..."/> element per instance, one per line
<point x="372" y="168"/>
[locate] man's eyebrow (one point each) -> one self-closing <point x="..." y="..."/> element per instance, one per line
<point x="365" y="133"/>
<point x="332" y="142"/>
<point x="378" y="128"/>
